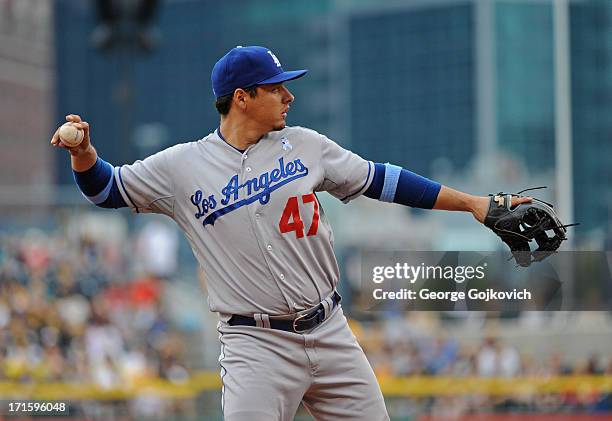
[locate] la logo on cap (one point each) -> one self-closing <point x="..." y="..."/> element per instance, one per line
<point x="276" y="60"/>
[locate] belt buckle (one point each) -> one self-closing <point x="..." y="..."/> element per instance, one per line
<point x="295" y="321"/>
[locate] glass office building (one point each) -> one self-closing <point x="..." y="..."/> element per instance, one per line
<point x="412" y="85"/>
<point x="399" y="81"/>
<point x="591" y="58"/>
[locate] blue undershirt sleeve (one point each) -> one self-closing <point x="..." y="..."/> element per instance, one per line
<point x="395" y="184"/>
<point x="378" y="180"/>
<point x="98" y="185"/>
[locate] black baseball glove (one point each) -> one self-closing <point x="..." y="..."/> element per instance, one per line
<point x="518" y="226"/>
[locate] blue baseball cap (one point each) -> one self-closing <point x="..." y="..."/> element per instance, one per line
<point x="243" y="67"/>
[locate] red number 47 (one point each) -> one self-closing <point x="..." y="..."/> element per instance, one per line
<point x="291" y="221"/>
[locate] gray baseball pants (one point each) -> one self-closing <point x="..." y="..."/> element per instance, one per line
<point x="266" y="373"/>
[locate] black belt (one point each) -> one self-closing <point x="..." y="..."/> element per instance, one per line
<point x="300" y="324"/>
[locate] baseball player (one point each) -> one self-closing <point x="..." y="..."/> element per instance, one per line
<point x="245" y="197"/>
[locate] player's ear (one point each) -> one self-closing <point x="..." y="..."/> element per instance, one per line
<point x="239" y="99"/>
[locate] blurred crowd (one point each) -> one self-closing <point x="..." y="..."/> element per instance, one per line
<point x="396" y="348"/>
<point x="71" y="312"/>
<point x="76" y="311"/>
<point x="409" y="346"/>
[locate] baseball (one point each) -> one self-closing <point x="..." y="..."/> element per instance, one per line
<point x="70" y="135"/>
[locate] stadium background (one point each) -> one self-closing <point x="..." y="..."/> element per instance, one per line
<point x="104" y="310"/>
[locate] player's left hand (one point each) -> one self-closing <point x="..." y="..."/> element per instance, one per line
<point x="481" y="206"/>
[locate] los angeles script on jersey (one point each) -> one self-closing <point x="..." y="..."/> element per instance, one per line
<point x="256" y="188"/>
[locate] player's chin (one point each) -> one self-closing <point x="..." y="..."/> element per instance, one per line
<point x="279" y="126"/>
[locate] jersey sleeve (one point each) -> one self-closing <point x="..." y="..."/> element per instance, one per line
<point x="346" y="174"/>
<point x="147" y="185"/>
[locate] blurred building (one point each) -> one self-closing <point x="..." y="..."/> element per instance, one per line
<point x="525" y="96"/>
<point x="417" y="76"/>
<point x="591" y="39"/>
<point x="167" y="91"/>
<point x="412" y="89"/>
<point x="26" y="91"/>
<point x="418" y="83"/>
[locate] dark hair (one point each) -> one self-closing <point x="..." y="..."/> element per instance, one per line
<point x="223" y="103"/>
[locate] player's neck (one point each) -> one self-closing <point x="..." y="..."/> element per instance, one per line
<point x="240" y="135"/>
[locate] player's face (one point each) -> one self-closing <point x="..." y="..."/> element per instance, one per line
<point x="271" y="105"/>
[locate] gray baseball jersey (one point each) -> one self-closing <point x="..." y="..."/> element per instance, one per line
<point x="252" y="218"/>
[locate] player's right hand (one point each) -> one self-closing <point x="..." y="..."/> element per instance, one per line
<point x="81" y="147"/>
